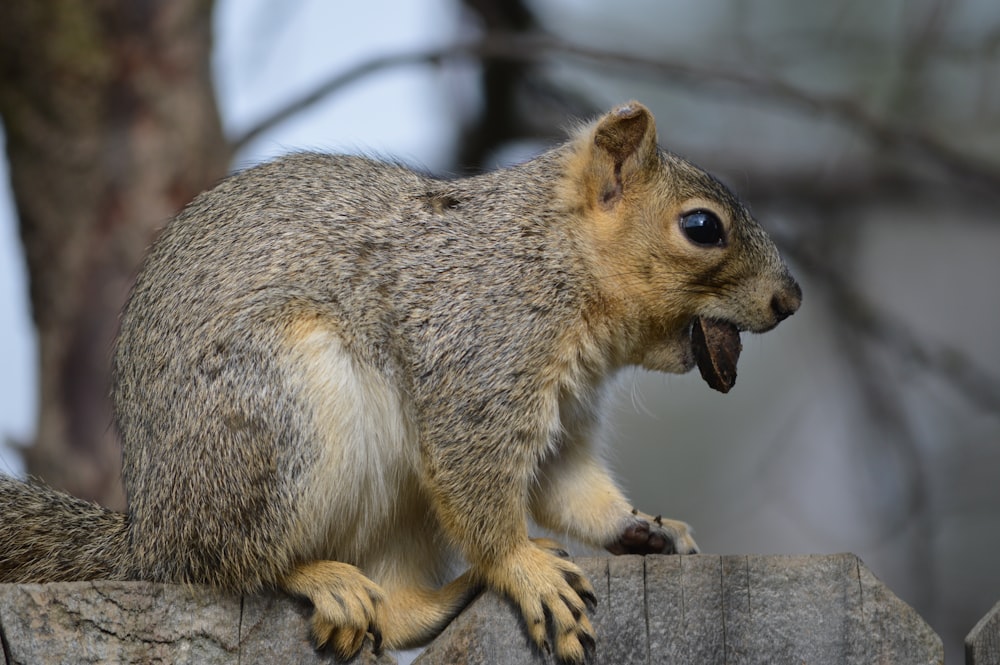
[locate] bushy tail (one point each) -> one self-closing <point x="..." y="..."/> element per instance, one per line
<point x="48" y="536"/>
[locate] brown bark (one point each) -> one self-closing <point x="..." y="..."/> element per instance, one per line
<point x="111" y="126"/>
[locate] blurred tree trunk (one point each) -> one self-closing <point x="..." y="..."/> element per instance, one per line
<point x="500" y="120"/>
<point x="519" y="100"/>
<point x="111" y="127"/>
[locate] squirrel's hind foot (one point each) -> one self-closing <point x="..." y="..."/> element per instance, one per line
<point x="345" y="604"/>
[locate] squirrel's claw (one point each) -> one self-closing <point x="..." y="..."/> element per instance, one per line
<point x="553" y="596"/>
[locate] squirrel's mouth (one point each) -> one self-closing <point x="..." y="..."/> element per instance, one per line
<point x="716" y="347"/>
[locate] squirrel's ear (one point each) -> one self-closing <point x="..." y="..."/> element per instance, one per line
<point x="624" y="140"/>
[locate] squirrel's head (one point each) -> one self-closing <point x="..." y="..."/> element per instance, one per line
<point x="673" y="248"/>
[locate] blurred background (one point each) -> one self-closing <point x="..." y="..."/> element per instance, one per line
<point x="865" y="137"/>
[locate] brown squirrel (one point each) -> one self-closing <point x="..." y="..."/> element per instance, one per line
<point x="335" y="375"/>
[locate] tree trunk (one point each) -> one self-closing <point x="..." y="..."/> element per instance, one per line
<point x="499" y="120"/>
<point x="111" y="126"/>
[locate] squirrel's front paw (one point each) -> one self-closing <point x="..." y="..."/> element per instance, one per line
<point x="345" y="602"/>
<point x="654" y="535"/>
<point x="546" y="587"/>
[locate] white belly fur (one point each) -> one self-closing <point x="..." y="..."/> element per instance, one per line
<point x="363" y="502"/>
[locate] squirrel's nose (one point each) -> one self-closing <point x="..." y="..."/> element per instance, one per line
<point x="785" y="302"/>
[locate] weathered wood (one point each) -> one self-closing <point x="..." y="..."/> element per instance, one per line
<point x="982" y="644"/>
<point x="139" y="622"/>
<point x="715" y="609"/>
<point x="655" y="610"/>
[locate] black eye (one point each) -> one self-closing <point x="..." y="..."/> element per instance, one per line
<point x="703" y="228"/>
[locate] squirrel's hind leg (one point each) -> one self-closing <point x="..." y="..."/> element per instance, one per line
<point x="413" y="616"/>
<point x="348" y="606"/>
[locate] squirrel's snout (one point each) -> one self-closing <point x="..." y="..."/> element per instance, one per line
<point x="786" y="302"/>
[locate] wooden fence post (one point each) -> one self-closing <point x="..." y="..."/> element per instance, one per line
<point x="982" y="644"/>
<point x="700" y="609"/>
<point x="715" y="609"/>
<point x="142" y="622"/>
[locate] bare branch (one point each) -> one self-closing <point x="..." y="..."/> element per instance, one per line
<point x="335" y="84"/>
<point x="954" y="366"/>
<point x="719" y="81"/>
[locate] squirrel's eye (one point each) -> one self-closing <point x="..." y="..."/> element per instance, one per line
<point x="703" y="228"/>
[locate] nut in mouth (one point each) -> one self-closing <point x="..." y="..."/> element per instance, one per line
<point x="716" y="346"/>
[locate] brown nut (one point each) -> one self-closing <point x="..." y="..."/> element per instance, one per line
<point x="716" y="346"/>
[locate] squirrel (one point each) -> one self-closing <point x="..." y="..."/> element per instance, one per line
<point x="337" y="377"/>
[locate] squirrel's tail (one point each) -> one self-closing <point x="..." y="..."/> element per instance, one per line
<point x="49" y="536"/>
